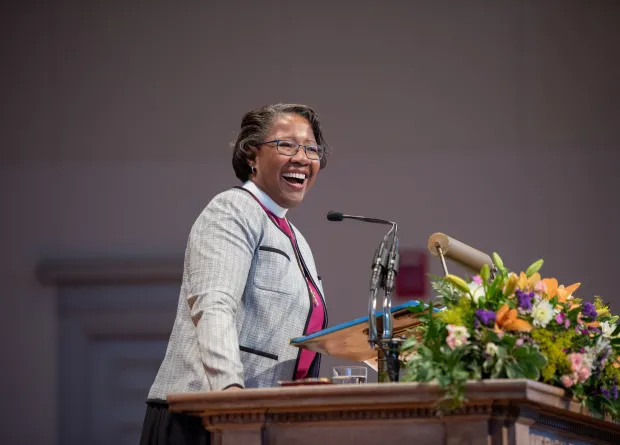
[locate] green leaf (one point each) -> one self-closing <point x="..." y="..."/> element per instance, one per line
<point x="514" y="371"/>
<point x="415" y="309"/>
<point x="572" y="314"/>
<point x="492" y="337"/>
<point x="530" y="371"/>
<point x="409" y="343"/>
<point x="501" y="352"/>
<point x="538" y="360"/>
<point x="616" y="331"/>
<point x="499" y="367"/>
<point x="508" y="340"/>
<point x="522" y="352"/>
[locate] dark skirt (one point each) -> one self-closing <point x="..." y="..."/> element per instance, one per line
<point x="162" y="427"/>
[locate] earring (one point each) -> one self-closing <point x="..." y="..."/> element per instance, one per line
<point x="253" y="168"/>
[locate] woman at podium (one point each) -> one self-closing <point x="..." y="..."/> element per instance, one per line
<point x="250" y="283"/>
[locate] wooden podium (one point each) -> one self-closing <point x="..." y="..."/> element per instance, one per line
<point x="498" y="412"/>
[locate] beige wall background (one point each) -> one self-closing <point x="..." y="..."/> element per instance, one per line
<point x="496" y="122"/>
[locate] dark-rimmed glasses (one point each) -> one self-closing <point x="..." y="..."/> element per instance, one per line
<point x="290" y="148"/>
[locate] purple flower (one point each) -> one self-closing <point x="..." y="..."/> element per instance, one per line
<point x="525" y="299"/>
<point x="614" y="392"/>
<point x="605" y="393"/>
<point x="589" y="310"/>
<point x="477" y="279"/>
<point x="595" y="330"/>
<point x="486" y="317"/>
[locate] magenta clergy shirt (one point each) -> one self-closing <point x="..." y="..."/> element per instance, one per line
<point x="316" y="317"/>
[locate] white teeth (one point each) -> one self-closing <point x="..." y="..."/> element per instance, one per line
<point x="294" y="175"/>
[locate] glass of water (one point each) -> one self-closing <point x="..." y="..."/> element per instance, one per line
<point x="349" y="374"/>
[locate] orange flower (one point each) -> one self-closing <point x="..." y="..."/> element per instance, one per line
<point x="552" y="287"/>
<point x="562" y="292"/>
<point x="565" y="292"/>
<point x="507" y="319"/>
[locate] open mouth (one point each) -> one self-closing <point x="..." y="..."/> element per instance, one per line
<point x="294" y="179"/>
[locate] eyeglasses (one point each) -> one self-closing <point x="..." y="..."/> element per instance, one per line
<point x="290" y="148"/>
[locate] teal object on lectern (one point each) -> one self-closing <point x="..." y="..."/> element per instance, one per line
<point x="350" y="340"/>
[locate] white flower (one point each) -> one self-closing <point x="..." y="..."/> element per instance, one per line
<point x="607" y="329"/>
<point x="459" y="332"/>
<point x="542" y="313"/>
<point x="457" y="336"/>
<point x="476" y="290"/>
<point x="491" y="349"/>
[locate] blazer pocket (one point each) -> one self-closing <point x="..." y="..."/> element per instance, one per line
<point x="274" y="271"/>
<point x="257" y="352"/>
<point x="274" y="250"/>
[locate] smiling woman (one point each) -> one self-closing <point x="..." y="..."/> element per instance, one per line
<point x="250" y="283"/>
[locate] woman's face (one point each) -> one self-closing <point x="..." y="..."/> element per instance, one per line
<point x="273" y="169"/>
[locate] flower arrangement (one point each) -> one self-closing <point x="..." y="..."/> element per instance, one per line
<point x="516" y="326"/>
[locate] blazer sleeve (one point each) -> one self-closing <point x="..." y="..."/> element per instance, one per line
<point x="220" y="250"/>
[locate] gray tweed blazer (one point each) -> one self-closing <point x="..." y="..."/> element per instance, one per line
<point x="243" y="297"/>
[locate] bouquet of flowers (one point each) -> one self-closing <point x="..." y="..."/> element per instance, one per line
<point x="516" y="326"/>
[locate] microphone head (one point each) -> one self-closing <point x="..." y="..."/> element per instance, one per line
<point x="335" y="216"/>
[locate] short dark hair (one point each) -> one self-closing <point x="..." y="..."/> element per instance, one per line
<point x="256" y="124"/>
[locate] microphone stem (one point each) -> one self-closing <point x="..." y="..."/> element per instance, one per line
<point x="372" y="318"/>
<point x="387" y="316"/>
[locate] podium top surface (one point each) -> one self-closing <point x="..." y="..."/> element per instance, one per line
<point x="349" y="340"/>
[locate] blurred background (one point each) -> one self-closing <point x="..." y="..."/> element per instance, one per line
<point x="495" y="122"/>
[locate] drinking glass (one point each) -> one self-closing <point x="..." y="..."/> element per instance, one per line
<point x="349" y="374"/>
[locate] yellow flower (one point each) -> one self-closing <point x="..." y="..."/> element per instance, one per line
<point x="527" y="284"/>
<point x="511" y="284"/>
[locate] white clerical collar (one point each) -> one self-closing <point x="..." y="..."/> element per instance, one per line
<point x="265" y="200"/>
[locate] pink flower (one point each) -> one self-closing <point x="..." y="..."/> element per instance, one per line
<point x="477" y="279"/>
<point x="583" y="374"/>
<point x="451" y="341"/>
<point x="540" y="288"/>
<point x="567" y="381"/>
<point x="562" y="318"/>
<point x="576" y="361"/>
<point x="519" y="341"/>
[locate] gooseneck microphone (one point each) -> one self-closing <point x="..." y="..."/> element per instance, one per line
<point x="384" y="270"/>
<point x="338" y="216"/>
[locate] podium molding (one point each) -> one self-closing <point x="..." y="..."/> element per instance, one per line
<point x="497" y="412"/>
